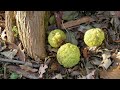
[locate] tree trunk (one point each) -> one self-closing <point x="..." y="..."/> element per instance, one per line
<point x="31" y="28"/>
<point x="9" y="23"/>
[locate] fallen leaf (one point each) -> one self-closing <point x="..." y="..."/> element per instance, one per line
<point x="81" y="77"/>
<point x="93" y="49"/>
<point x="116" y="58"/>
<point x="86" y="53"/>
<point x="10" y="54"/>
<point x="52" y="20"/>
<point x="58" y="76"/>
<point x="27" y="68"/>
<point x="115" y="13"/>
<point x="96" y="62"/>
<point x="3" y="48"/>
<point x="84" y="28"/>
<point x="70" y="15"/>
<point x="42" y="70"/>
<point x="112" y="13"/>
<point x="79" y="35"/>
<point x="88" y="66"/>
<point x="106" y="62"/>
<point x="75" y="73"/>
<point x="4" y="35"/>
<point x="77" y="22"/>
<point x="51" y="27"/>
<point x="106" y="54"/>
<point x="116" y="26"/>
<point x="54" y="67"/>
<point x="20" y="53"/>
<point x="114" y="74"/>
<point x="71" y="38"/>
<point x="96" y="25"/>
<point x="18" y="70"/>
<point x="52" y="49"/>
<point x="14" y="76"/>
<point x="91" y="75"/>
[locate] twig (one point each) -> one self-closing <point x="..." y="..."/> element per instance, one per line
<point x="5" y="77"/>
<point x="58" y="19"/>
<point x="19" y="62"/>
<point x="77" y="22"/>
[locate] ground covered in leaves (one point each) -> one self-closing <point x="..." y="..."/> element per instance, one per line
<point x="95" y="63"/>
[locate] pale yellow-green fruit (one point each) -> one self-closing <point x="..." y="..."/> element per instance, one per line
<point x="94" y="37"/>
<point x="68" y="55"/>
<point x="56" y="38"/>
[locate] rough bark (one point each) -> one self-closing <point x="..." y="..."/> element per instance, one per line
<point x="31" y="28"/>
<point x="9" y="22"/>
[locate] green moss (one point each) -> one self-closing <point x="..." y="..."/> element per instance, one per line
<point x="15" y="30"/>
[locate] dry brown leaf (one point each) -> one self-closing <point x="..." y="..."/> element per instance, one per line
<point x="95" y="61"/>
<point x="115" y="13"/>
<point x="18" y="70"/>
<point x="42" y="70"/>
<point x="4" y="35"/>
<point x="77" y="22"/>
<point x="106" y="62"/>
<point x="89" y="76"/>
<point x="83" y="77"/>
<point x="3" y="48"/>
<point x="86" y="53"/>
<point x="27" y="68"/>
<point x="54" y="66"/>
<point x="52" y="49"/>
<point x="10" y="54"/>
<point x="116" y="57"/>
<point x="20" y="53"/>
<point x="75" y="73"/>
<point x="58" y="76"/>
<point x="114" y="74"/>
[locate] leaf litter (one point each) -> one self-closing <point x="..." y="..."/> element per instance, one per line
<point x="75" y="24"/>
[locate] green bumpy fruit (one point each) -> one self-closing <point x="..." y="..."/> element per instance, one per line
<point x="94" y="37"/>
<point x="68" y="55"/>
<point x="56" y="38"/>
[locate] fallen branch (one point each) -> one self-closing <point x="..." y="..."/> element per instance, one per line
<point x="77" y="22"/>
<point x="24" y="73"/>
<point x="19" y="62"/>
